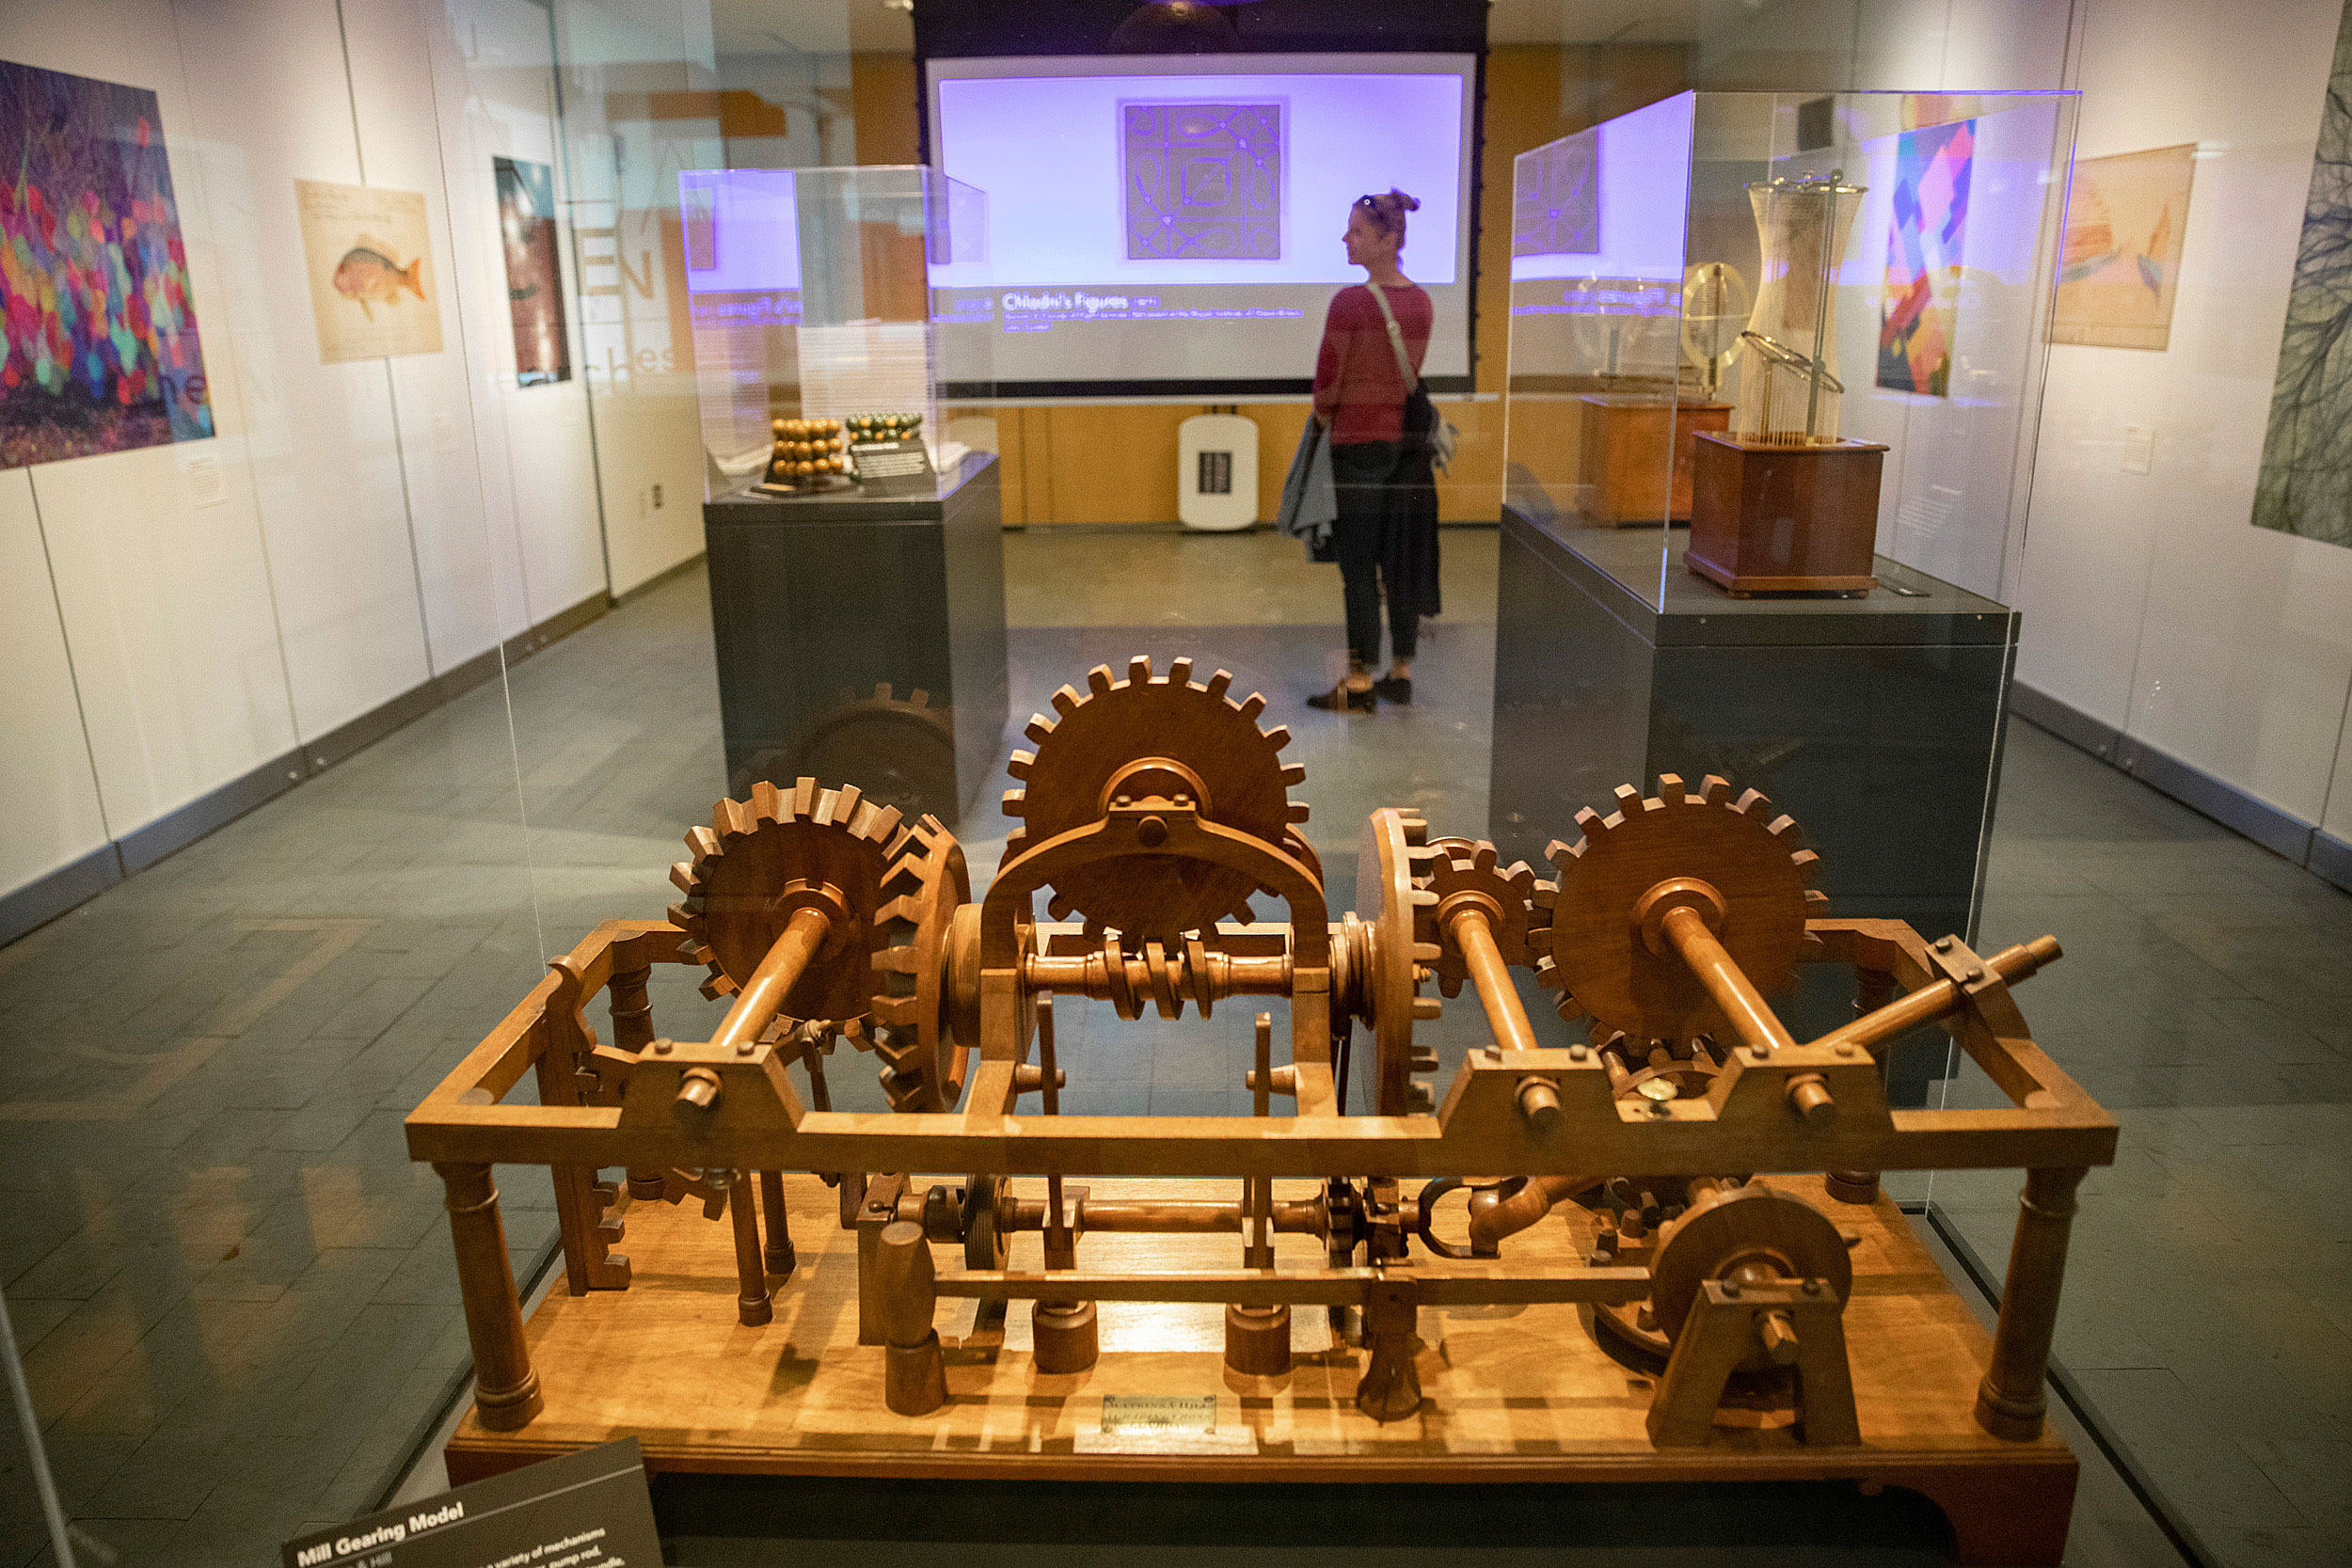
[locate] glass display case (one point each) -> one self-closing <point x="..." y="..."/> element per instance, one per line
<point x="1774" y="377"/>
<point x="811" y="297"/>
<point x="833" y="488"/>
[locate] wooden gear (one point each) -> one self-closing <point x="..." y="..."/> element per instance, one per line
<point x="1152" y="810"/>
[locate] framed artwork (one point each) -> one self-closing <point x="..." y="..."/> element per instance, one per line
<point x="1557" y="206"/>
<point x="2125" y="219"/>
<point x="98" y="342"/>
<point x="1203" y="181"/>
<point x="534" y="273"/>
<point x="365" y="250"/>
<point x="2304" y="485"/>
<point x="1923" y="257"/>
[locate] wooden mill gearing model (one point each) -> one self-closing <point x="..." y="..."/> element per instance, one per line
<point x="1721" y="1291"/>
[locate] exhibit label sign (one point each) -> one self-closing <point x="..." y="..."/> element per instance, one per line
<point x="586" y="1509"/>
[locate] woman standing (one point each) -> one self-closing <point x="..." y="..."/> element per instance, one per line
<point x="1385" y="535"/>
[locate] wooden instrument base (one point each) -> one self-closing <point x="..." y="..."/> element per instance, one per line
<point x="1513" y="1394"/>
<point x="1781" y="520"/>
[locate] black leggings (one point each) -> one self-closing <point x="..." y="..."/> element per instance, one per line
<point x="1371" y="491"/>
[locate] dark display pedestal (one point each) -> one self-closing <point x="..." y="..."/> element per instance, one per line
<point x="1873" y="721"/>
<point x="832" y="611"/>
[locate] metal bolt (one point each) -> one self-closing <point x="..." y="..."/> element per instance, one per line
<point x="661" y="1048"/>
<point x="1731" y="1290"/>
<point x="1943" y="945"/>
<point x="1576" y="1053"/>
<point x="1812" y="1286"/>
<point x="1975" y="973"/>
<point x="744" y="1048"/>
<point x="1758" y="1053"/>
<point x="1845" y="1050"/>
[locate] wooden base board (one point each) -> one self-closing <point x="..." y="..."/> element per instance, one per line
<point x="1740" y="587"/>
<point x="1514" y="1394"/>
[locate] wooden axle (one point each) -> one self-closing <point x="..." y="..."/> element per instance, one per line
<point x="804" y="935"/>
<point x="1470" y="925"/>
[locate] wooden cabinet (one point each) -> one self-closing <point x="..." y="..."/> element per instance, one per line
<point x="1625" y="443"/>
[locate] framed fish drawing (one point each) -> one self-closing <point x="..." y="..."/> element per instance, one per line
<point x="98" y="341"/>
<point x="366" y="253"/>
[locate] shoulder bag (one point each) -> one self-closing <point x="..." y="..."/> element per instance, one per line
<point x="1423" y="427"/>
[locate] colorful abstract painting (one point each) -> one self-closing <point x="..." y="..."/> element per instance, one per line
<point x="101" y="351"/>
<point x="1923" y="255"/>
<point x="2125" y="219"/>
<point x="534" y="276"/>
<point x="1203" y="181"/>
<point x="2304" y="485"/>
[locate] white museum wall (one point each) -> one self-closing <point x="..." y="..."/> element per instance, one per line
<point x="45" y="776"/>
<point x="161" y="581"/>
<point x="468" y="562"/>
<point x="623" y="166"/>
<point x="2151" y="602"/>
<point x="201" y="611"/>
<point x="326" y="464"/>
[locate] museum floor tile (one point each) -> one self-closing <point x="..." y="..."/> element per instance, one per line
<point x="234" y="1291"/>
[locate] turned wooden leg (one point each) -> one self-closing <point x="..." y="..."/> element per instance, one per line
<point x="506" y="1391"/>
<point x="915" y="1369"/>
<point x="632" y="1008"/>
<point x="2011" y="1400"/>
<point x="780" y="1258"/>
<point x="1391" y="1387"/>
<point x="752" y="1305"/>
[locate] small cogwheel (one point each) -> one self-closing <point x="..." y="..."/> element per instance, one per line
<point x="1463" y="868"/>
<point x="923" y="1047"/>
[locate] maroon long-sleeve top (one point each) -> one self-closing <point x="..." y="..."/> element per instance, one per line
<point x="1359" y="389"/>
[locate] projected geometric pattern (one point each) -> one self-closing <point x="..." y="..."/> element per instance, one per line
<point x="1557" y="211"/>
<point x="1203" y="181"/>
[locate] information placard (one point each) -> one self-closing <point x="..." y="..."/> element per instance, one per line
<point x="586" y="1509"/>
<point x="902" y="465"/>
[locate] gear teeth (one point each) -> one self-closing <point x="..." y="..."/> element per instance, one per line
<point x="1298" y="810"/>
<point x="1294" y="774"/>
<point x="894" y="961"/>
<point x="1714" y="789"/>
<point x="1546" y="973"/>
<point x="879" y="825"/>
<point x="1242" y="914"/>
<point x="1038" y="728"/>
<point x="1414" y="828"/>
<point x="1808" y="864"/>
<point x="882" y="690"/>
<point x="1277" y="737"/>
<point x="1014" y="799"/>
<point x="1180" y="672"/>
<point x="1815" y="903"/>
<point x="1753" y="803"/>
<point x="1785" y="828"/>
<point x="765" y="801"/>
<point x="838" y="807"/>
<point x="804" y="797"/>
<point x="896" y="1011"/>
<point x="1450" y="986"/>
<point x="1591" y="823"/>
<point x="1629" y="800"/>
<point x="702" y="842"/>
<point x="1140" y="668"/>
<point x="1066" y="701"/>
<point x="1057" y="908"/>
<point x="1421" y="858"/>
<point x="1020" y="764"/>
<point x="1015" y="842"/>
<point x="1253" y="705"/>
<point x="1483" y="856"/>
<point x="684" y="876"/>
<point x="717" y="987"/>
<point x="1099" y="681"/>
<point x="1521" y="876"/>
<point x="728" y="819"/>
<point x="1424" y="899"/>
<point x="1670" y="788"/>
<point x="1220" y="682"/>
<point x="683" y="917"/>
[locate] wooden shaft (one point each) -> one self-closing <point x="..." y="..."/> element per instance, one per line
<point x="1742" y="1005"/>
<point x="506" y="1389"/>
<point x="1932" y="1002"/>
<point x="1874" y="989"/>
<point x="905" y="1281"/>
<point x="763" y="997"/>
<point x="1457" y="1286"/>
<point x="1082" y="975"/>
<point x="1524" y="1208"/>
<point x="1259" y="1191"/>
<point x="632" y="1008"/>
<point x="1474" y="935"/>
<point x="1168" y="1216"/>
<point x="2011" y="1400"/>
<point x="752" y="1305"/>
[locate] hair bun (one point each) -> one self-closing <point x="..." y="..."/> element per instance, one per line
<point x="1404" y="202"/>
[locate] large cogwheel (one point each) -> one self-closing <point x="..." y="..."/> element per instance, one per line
<point x="924" y="1046"/>
<point x="1165" y="735"/>
<point x="764" y="858"/>
<point x="1591" y="949"/>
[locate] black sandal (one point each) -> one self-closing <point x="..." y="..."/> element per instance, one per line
<point x="1394" y="689"/>
<point x="1341" y="699"/>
